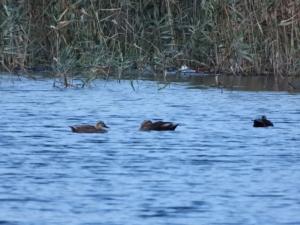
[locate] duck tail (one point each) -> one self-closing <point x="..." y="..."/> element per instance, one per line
<point x="175" y="125"/>
<point x="72" y="128"/>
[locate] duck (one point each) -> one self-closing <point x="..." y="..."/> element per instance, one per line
<point x="98" y="128"/>
<point x="148" y="125"/>
<point x="262" y="122"/>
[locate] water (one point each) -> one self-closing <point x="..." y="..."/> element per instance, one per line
<point x="214" y="169"/>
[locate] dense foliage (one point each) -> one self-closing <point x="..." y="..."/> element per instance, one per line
<point x="245" y="37"/>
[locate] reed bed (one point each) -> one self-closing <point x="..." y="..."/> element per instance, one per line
<point x="110" y="36"/>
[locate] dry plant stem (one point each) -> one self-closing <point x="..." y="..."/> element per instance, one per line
<point x="242" y="37"/>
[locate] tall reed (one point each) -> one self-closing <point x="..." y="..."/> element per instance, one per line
<point x="241" y="37"/>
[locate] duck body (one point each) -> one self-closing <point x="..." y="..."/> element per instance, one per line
<point x="148" y="125"/>
<point x="262" y="122"/>
<point x="98" y="128"/>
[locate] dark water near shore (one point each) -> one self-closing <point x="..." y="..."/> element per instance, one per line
<point x="214" y="169"/>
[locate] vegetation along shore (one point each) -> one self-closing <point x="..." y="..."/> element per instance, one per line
<point x="251" y="37"/>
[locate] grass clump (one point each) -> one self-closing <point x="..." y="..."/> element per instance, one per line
<point x="105" y="37"/>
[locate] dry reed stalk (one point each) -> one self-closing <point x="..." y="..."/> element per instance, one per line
<point x="249" y="37"/>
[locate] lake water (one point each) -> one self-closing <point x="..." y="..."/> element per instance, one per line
<point x="214" y="169"/>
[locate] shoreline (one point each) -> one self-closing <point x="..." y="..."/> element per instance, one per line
<point x="210" y="80"/>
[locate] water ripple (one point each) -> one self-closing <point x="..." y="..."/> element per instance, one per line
<point x="214" y="169"/>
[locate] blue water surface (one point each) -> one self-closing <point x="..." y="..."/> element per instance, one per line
<point x="214" y="169"/>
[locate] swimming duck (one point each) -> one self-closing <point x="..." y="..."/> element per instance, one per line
<point x="262" y="122"/>
<point x="148" y="125"/>
<point x="98" y="128"/>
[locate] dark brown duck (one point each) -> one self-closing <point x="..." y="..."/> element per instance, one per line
<point x="148" y="125"/>
<point x="98" y="128"/>
<point x="262" y="122"/>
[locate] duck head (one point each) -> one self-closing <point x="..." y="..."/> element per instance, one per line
<point x="100" y="125"/>
<point x="146" y="125"/>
